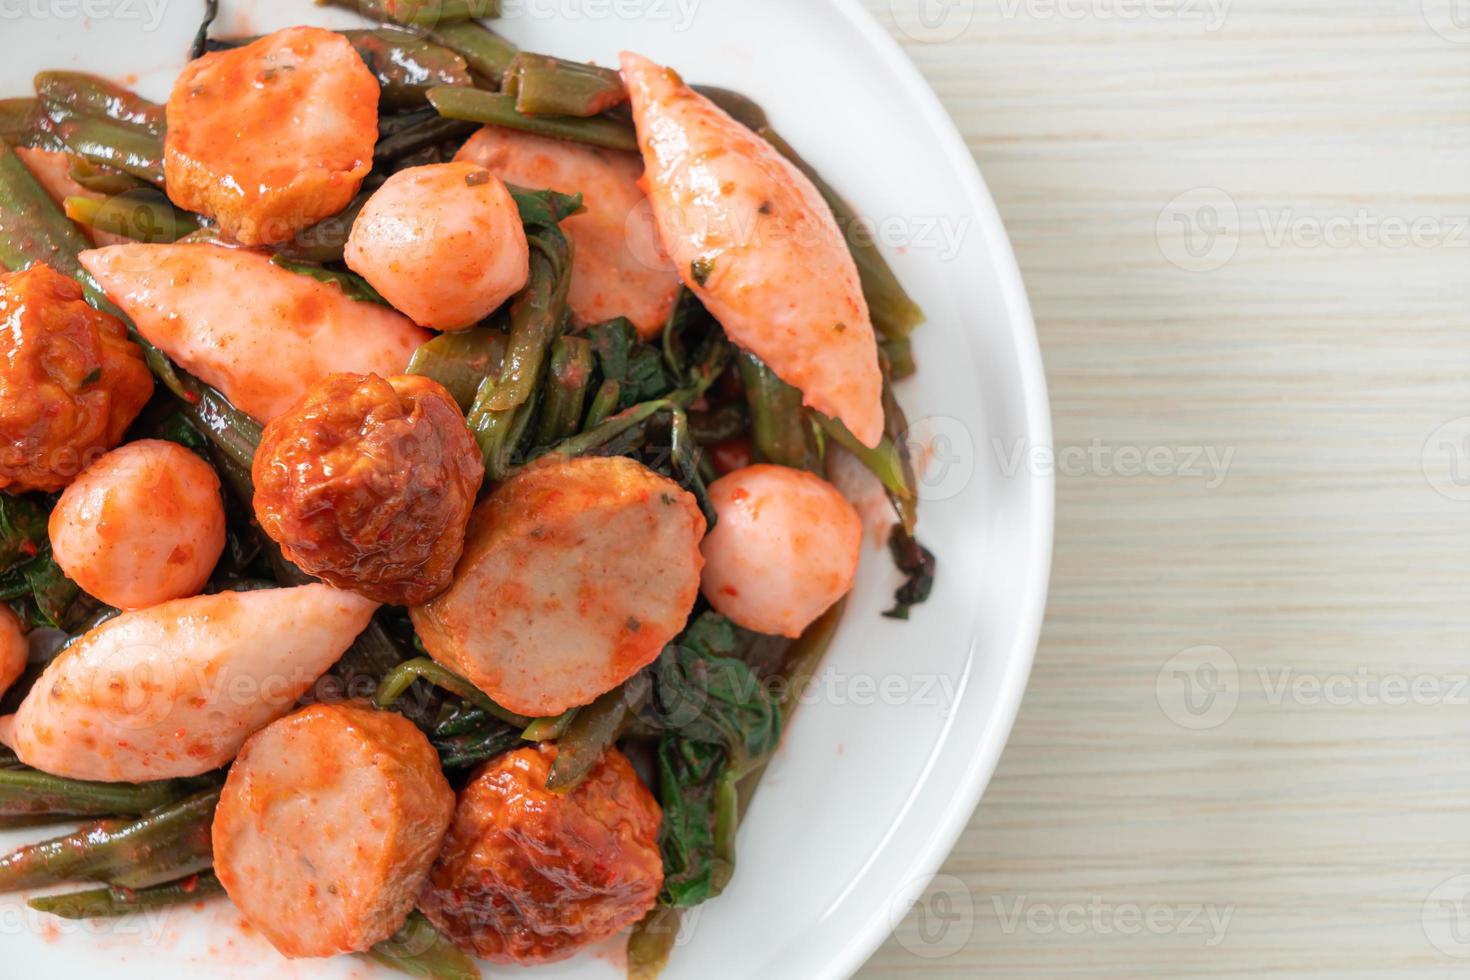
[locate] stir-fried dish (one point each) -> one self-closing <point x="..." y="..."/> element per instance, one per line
<point x="414" y="514"/>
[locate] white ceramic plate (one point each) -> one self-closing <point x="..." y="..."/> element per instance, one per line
<point x="890" y="752"/>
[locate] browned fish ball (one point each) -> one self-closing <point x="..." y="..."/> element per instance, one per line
<point x="368" y="483"/>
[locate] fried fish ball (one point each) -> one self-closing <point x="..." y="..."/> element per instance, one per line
<point x="270" y="138"/>
<point x="443" y="243"/>
<point x="327" y="826"/>
<point x="142" y="525"/>
<point x="368" y="484"/>
<point x="576" y="573"/>
<point x="529" y="876"/>
<point x="71" y="381"/>
<point x="785" y="548"/>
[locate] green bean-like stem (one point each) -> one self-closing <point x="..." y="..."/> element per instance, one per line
<point x="486" y="52"/>
<point x="400" y="678"/>
<point x="460" y="361"/>
<point x="104" y="141"/>
<point x="27" y="792"/>
<point x="18" y="120"/>
<point x="504" y="402"/>
<point x="651" y="943"/>
<point x="111" y="902"/>
<point x="884" y="461"/>
<point x="420" y="950"/>
<point x="144" y="216"/>
<point x="565" y="392"/>
<point x="100" y="178"/>
<point x="430" y="132"/>
<point x="549" y="729"/>
<point x="407" y="66"/>
<point x="547" y="86"/>
<point x="420" y="13"/>
<point x="71" y="93"/>
<point x="460" y="751"/>
<point x="779" y="429"/>
<point x="591" y="731"/>
<point x="604" y="403"/>
<point x="499" y="109"/>
<point x="161" y="845"/>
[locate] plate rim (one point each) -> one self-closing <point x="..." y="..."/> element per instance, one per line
<point x="947" y="829"/>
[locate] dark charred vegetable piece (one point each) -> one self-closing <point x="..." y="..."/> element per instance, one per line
<point x="461" y="751"/>
<point x="498" y="109"/>
<point x="142" y="215"/>
<point x="115" y="145"/>
<point x="67" y="94"/>
<point x="460" y="361"/>
<point x="407" y="66"/>
<point x="915" y="561"/>
<point x="201" y="36"/>
<point x="504" y="402"/>
<point x="161" y="845"/>
<point x="352" y="285"/>
<point x="591" y="731"/>
<point x="397" y="681"/>
<point x="396" y="147"/>
<point x="547" y="86"/>
<point x="110" y="902"/>
<point x="565" y="392"/>
<point x="780" y="428"/>
<point x="420" y="950"/>
<point x="26" y="792"/>
<point x="487" y="53"/>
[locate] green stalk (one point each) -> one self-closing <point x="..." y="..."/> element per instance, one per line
<point x="549" y="729"/>
<point x="106" y="142"/>
<point x="398" y="680"/>
<point x="420" y="950"/>
<point x="70" y="93"/>
<point x="460" y="361"/>
<point x="109" y="903"/>
<point x="651" y="943"/>
<point x="29" y="793"/>
<point x="102" y="179"/>
<point x="487" y="53"/>
<point x="19" y="119"/>
<point x="144" y="216"/>
<point x="565" y="391"/>
<point x="420" y="13"/>
<point x="604" y="403"/>
<point x="407" y="66"/>
<point x="591" y="731"/>
<point x="430" y="132"/>
<point x="163" y="844"/>
<point x="779" y="428"/>
<point x="885" y="462"/>
<point x="503" y="403"/>
<point x="499" y="109"/>
<point x="547" y="86"/>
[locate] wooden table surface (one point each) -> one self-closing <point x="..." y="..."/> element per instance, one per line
<point x="1245" y="230"/>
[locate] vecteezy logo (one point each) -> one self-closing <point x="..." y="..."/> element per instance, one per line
<point x="1199" y="230"/>
<point x="1198" y="688"/>
<point x="932" y="21"/>
<point x="1450" y="19"/>
<point x="940" y="923"/>
<point x="1445" y="459"/>
<point x="943" y="454"/>
<point x="1446" y="917"/>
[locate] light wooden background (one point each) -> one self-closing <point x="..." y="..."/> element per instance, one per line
<point x="1323" y="822"/>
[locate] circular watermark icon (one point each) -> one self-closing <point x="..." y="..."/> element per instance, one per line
<point x="1446" y="917"/>
<point x="940" y="923"/>
<point x="1198" y="688"/>
<point x="943" y="453"/>
<point x="1199" y="230"/>
<point x="932" y="21"/>
<point x="1445" y="459"/>
<point x="1450" y="19"/>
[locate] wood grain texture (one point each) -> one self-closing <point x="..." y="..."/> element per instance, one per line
<point x="1318" y="828"/>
